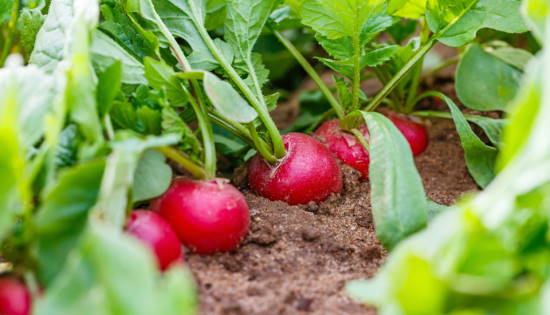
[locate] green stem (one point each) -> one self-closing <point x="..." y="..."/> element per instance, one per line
<point x="199" y="109"/>
<point x="262" y="149"/>
<point x="236" y="129"/>
<point x="184" y="161"/>
<point x="417" y="72"/>
<point x="109" y="127"/>
<point x="426" y="47"/>
<point x="208" y="139"/>
<point x="338" y="108"/>
<point x="356" y="72"/>
<point x="259" y="106"/>
<point x="397" y="78"/>
<point x="10" y="34"/>
<point x="361" y="138"/>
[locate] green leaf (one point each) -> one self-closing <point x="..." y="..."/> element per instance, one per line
<point x="82" y="86"/>
<point x="480" y="158"/>
<point x="398" y="199"/>
<point x="106" y="52"/>
<point x="30" y="21"/>
<point x="152" y="178"/>
<point x="20" y="85"/>
<point x="245" y="22"/>
<point x="109" y="85"/>
<point x="228" y="101"/>
<point x="460" y="20"/>
<point x="119" y="175"/>
<point x="58" y="30"/>
<point x="523" y="114"/>
<point x="485" y="82"/>
<point x="162" y="77"/>
<point x="139" y="118"/>
<point x="411" y="9"/>
<point x="337" y="19"/>
<point x="127" y="33"/>
<point x="14" y="189"/>
<point x="516" y="57"/>
<point x="492" y="127"/>
<point x="63" y="214"/>
<point x="183" y="19"/>
<point x="99" y="280"/>
<point x="172" y="123"/>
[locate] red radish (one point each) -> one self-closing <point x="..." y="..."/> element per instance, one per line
<point x="155" y="232"/>
<point x="208" y="216"/>
<point x="15" y="298"/>
<point x="307" y="173"/>
<point x="415" y="133"/>
<point x="346" y="147"/>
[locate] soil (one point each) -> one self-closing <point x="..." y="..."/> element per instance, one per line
<point x="297" y="259"/>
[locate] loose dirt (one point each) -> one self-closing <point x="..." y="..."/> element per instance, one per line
<point x="297" y="259"/>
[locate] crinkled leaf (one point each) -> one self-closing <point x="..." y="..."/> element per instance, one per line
<point x="54" y="38"/>
<point x="245" y="22"/>
<point x="152" y="178"/>
<point x="67" y="147"/>
<point x="485" y="82"/>
<point x="30" y="21"/>
<point x="106" y="52"/>
<point x="398" y="198"/>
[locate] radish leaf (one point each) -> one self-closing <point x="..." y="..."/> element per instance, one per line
<point x="228" y="101"/>
<point x="152" y="178"/>
<point x="398" y="199"/>
<point x="485" y="82"/>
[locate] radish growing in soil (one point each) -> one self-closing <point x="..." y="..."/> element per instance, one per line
<point x="307" y="173"/>
<point x="351" y="152"/>
<point x="156" y="233"/>
<point x="15" y="298"/>
<point x="208" y="216"/>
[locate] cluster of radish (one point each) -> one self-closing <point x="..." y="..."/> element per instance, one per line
<point x="211" y="216"/>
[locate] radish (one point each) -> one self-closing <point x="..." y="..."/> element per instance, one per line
<point x="208" y="216"/>
<point x="346" y="147"/>
<point x="15" y="298"/>
<point x="350" y="151"/>
<point x="307" y="173"/>
<point x="415" y="133"/>
<point x="157" y="234"/>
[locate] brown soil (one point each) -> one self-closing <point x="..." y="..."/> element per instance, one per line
<point x="297" y="259"/>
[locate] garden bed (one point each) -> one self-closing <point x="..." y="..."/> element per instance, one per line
<point x="298" y="258"/>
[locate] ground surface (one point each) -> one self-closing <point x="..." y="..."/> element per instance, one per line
<point x="296" y="260"/>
